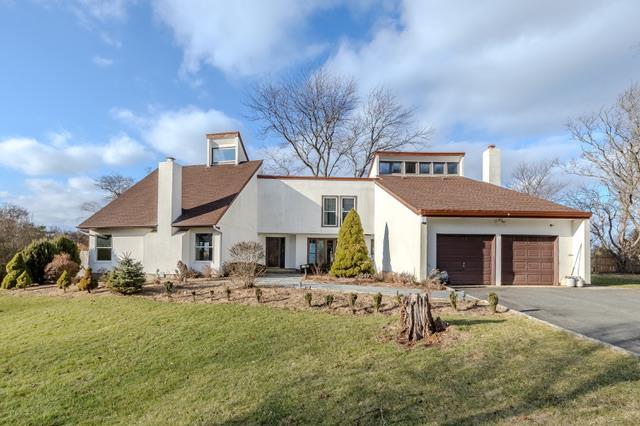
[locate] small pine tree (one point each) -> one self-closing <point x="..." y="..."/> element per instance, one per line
<point x="127" y="277"/>
<point x="23" y="280"/>
<point x="87" y="282"/>
<point x="14" y="268"/>
<point x="352" y="256"/>
<point x="63" y="282"/>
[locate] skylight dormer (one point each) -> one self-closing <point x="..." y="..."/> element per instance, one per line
<point x="225" y="148"/>
<point x="398" y="163"/>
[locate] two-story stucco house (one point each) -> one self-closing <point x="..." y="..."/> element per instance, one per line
<point x="418" y="211"/>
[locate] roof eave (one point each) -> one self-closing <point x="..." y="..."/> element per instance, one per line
<point x="506" y="214"/>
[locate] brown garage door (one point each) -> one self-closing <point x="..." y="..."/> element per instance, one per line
<point x="528" y="260"/>
<point x="467" y="258"/>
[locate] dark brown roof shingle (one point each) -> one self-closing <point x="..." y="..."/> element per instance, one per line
<point x="457" y="196"/>
<point x="207" y="193"/>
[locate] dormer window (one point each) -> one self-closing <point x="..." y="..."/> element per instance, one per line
<point x="452" y="168"/>
<point x="390" y="167"/>
<point x="410" y="167"/>
<point x="438" y="168"/>
<point x="425" y="168"/>
<point x="223" y="155"/>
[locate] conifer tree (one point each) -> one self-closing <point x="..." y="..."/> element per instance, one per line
<point x="352" y="257"/>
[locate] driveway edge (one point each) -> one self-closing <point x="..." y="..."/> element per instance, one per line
<point x="571" y="332"/>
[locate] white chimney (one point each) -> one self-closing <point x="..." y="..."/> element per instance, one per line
<point x="492" y="166"/>
<point x="169" y="194"/>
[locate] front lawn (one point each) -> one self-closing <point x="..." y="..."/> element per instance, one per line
<point x="129" y="360"/>
<point x="616" y="280"/>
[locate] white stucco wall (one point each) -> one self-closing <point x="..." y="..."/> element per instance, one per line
<point x="397" y="236"/>
<point x="294" y="206"/>
<point x="124" y="241"/>
<point x="240" y="222"/>
<point x="570" y="233"/>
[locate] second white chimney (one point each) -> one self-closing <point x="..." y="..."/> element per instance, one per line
<point x="169" y="194"/>
<point x="492" y="166"/>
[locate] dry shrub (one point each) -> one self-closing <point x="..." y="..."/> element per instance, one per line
<point x="208" y="272"/>
<point x="245" y="264"/>
<point x="59" y="264"/>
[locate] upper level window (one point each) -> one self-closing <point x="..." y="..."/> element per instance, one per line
<point x="425" y="168"/>
<point x="438" y="168"/>
<point x="223" y="155"/>
<point x="347" y="203"/>
<point x="329" y="211"/>
<point x="204" y="247"/>
<point x="452" y="168"/>
<point x="104" y="244"/>
<point x="389" y="167"/>
<point x="410" y="167"/>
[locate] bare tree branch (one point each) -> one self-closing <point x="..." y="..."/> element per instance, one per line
<point x="536" y="179"/>
<point x="382" y="124"/>
<point x="610" y="142"/>
<point x="114" y="185"/>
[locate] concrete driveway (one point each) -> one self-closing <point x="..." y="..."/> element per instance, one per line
<point x="606" y="314"/>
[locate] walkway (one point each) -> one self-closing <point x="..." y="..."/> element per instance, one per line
<point x="298" y="281"/>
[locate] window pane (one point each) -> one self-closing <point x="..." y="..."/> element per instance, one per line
<point x="396" y="167"/>
<point x="385" y="168"/>
<point x="224" y="154"/>
<point x="452" y="168"/>
<point x="330" y="219"/>
<point x="204" y="247"/>
<point x="438" y="168"/>
<point x="103" y="241"/>
<point x="348" y="203"/>
<point x="103" y="254"/>
<point x="311" y="255"/>
<point x="410" y="167"/>
<point x="330" y="204"/>
<point x="425" y="168"/>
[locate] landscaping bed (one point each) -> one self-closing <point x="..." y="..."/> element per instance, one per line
<point x="104" y="359"/>
<point x="213" y="292"/>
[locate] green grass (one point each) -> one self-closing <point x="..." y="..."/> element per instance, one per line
<point x="126" y="360"/>
<point x="616" y="280"/>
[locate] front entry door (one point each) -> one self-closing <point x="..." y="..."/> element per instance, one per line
<point x="275" y="252"/>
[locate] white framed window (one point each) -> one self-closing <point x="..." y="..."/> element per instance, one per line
<point x="390" y="167"/>
<point x="410" y="167"/>
<point x="204" y="247"/>
<point x="438" y="168"/>
<point x="329" y="211"/>
<point x="452" y="168"/>
<point x="104" y="248"/>
<point x="425" y="168"/>
<point x="346" y="204"/>
<point x="223" y="155"/>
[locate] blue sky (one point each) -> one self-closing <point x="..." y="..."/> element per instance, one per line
<point x="90" y="87"/>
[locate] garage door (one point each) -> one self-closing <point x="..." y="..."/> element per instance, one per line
<point x="467" y="258"/>
<point x="528" y="260"/>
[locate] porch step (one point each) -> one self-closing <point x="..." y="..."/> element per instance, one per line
<point x="287" y="271"/>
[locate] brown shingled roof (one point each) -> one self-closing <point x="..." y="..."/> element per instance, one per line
<point x="136" y="207"/>
<point x="457" y="196"/>
<point x="207" y="193"/>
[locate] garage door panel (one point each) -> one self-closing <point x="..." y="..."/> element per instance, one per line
<point x="528" y="260"/>
<point x="468" y="259"/>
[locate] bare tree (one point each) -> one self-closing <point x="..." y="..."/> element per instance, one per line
<point x="310" y="114"/>
<point x="16" y="231"/>
<point x="279" y="161"/>
<point x="114" y="185"/>
<point x="382" y="124"/>
<point x="610" y="142"/>
<point x="536" y="178"/>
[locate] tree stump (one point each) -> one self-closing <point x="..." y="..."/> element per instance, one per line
<point x="417" y="321"/>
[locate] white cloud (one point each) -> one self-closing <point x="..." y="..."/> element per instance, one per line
<point x="240" y="37"/>
<point x="101" y="61"/>
<point x="180" y="133"/>
<point x="35" y="158"/>
<point x="54" y="202"/>
<point x="100" y="10"/>
<point x="504" y="67"/>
